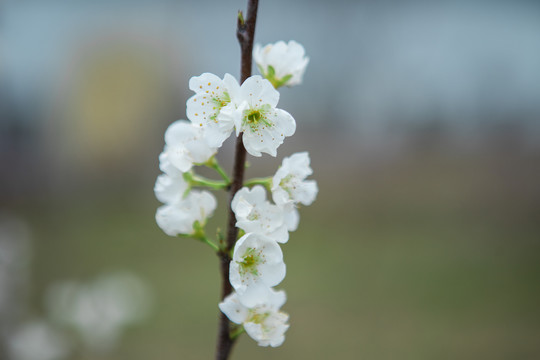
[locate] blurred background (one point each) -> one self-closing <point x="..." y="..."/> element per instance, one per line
<point x="423" y="124"/>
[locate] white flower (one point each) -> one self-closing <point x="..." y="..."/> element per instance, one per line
<point x="256" y="266"/>
<point x="170" y="189"/>
<point x="263" y="322"/>
<point x="186" y="145"/>
<point x="289" y="185"/>
<point x="254" y="112"/>
<point x="203" y="108"/>
<point x="99" y="311"/>
<point x="282" y="64"/>
<point x="178" y="218"/>
<point x="254" y="214"/>
<point x="38" y="341"/>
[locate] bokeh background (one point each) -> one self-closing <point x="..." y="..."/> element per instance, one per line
<point x="422" y="119"/>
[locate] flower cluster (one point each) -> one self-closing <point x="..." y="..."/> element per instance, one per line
<point x="257" y="264"/>
<point x="219" y="108"/>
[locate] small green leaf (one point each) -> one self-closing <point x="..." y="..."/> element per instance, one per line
<point x="241" y="17"/>
<point x="283" y="81"/>
<point x="271" y="72"/>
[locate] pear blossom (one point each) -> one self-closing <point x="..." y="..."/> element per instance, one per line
<point x="263" y="321"/>
<point x="203" y="108"/>
<point x="186" y="145"/>
<point x="257" y="265"/>
<point x="289" y="185"/>
<point x="170" y="189"/>
<point x="255" y="214"/>
<point x="253" y="110"/>
<point x="281" y="63"/>
<point x="179" y="217"/>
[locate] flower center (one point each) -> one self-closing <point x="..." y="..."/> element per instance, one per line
<point x="258" y="318"/>
<point x="255" y="117"/>
<point x="249" y="262"/>
<point x="254" y="215"/>
<point x="288" y="184"/>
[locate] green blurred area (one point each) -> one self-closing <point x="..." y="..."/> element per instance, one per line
<point x="427" y="256"/>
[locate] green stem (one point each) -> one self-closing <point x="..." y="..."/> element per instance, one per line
<point x="213" y="163"/>
<point x="196" y="180"/>
<point x="209" y="243"/>
<point x="202" y="239"/>
<point x="237" y="332"/>
<point x="200" y="235"/>
<point x="266" y="182"/>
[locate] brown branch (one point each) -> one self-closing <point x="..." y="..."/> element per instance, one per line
<point x="245" y="32"/>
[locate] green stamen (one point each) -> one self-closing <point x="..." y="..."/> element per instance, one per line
<point x="258" y="318"/>
<point x="250" y="262"/>
<point x="254" y="117"/>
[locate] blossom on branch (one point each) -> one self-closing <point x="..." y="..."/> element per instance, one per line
<point x="254" y="112"/>
<point x="263" y="321"/>
<point x="178" y="218"/>
<point x="256" y="266"/>
<point x="255" y="214"/>
<point x="281" y="63"/>
<point x="170" y="189"/>
<point x="203" y="109"/>
<point x="289" y="185"/>
<point x="186" y="145"/>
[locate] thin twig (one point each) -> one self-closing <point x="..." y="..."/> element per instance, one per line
<point x="245" y="32"/>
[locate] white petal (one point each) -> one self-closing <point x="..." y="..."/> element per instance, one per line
<point x="166" y="166"/>
<point x="254" y="294"/>
<point x="291" y="218"/>
<point x="178" y="132"/>
<point x="280" y="196"/>
<point x="238" y="197"/>
<point x="204" y="82"/>
<point x="307" y="192"/>
<point x="201" y="109"/>
<point x="232" y="87"/>
<point x="255" y="331"/>
<point x="281" y="234"/>
<point x="273" y="273"/>
<point x="255" y="196"/>
<point x="232" y="115"/>
<point x="284" y="122"/>
<point x="217" y="134"/>
<point x="258" y="91"/>
<point x="174" y="220"/>
<point x="299" y="164"/>
<point x="170" y="189"/>
<point x="247" y="141"/>
<point x="233" y="309"/>
<point x="207" y="203"/>
<point x="276" y="299"/>
<point x="180" y="158"/>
